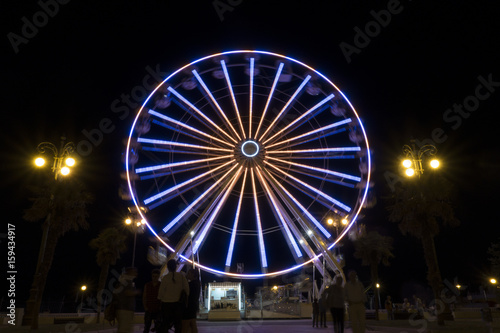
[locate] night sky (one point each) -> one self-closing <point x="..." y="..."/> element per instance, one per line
<point x="422" y="70"/>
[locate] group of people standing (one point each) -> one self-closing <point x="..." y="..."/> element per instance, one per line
<point x="172" y="302"/>
<point x="335" y="298"/>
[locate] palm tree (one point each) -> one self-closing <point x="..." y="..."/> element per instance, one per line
<point x="109" y="244"/>
<point x="420" y="208"/>
<point x="62" y="205"/>
<point x="373" y="249"/>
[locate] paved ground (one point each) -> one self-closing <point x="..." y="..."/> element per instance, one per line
<point x="269" y="326"/>
<point x="244" y="326"/>
<point x="276" y="326"/>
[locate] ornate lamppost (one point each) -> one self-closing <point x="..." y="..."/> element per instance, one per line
<point x="413" y="159"/>
<point x="62" y="161"/>
<point x="426" y="210"/>
<point x="80" y="308"/>
<point x="137" y="226"/>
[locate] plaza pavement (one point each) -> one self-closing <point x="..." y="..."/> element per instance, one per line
<point x="204" y="326"/>
<point x="274" y="326"/>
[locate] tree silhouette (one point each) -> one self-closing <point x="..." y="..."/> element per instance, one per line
<point x="109" y="244"/>
<point x="373" y="249"/>
<point x="62" y="205"/>
<point x="421" y="206"/>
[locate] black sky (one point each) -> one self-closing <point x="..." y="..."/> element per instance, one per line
<point x="430" y="56"/>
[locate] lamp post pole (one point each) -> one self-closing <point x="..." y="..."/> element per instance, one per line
<point x="82" y="288"/>
<point x="192" y="252"/>
<point x="135" y="242"/>
<point x="138" y="225"/>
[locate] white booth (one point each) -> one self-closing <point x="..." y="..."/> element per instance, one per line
<point x="224" y="301"/>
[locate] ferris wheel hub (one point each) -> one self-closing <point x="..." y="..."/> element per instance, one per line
<point x="250" y="148"/>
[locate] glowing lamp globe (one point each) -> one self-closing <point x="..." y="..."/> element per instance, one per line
<point x="65" y="171"/>
<point x="39" y="162"/>
<point x="70" y="161"/>
<point x="410" y="172"/>
<point x="434" y="164"/>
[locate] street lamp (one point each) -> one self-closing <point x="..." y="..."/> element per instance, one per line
<point x="413" y="159"/>
<point x="137" y="226"/>
<point x="336" y="221"/>
<point x="82" y="288"/>
<point x="62" y="161"/>
<point x="377" y="285"/>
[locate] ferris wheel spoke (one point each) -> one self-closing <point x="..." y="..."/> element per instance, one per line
<point x="302" y="242"/>
<point x="230" y="250"/>
<point x="274" y="204"/>
<point x="196" y="227"/>
<point x="308" y="153"/>
<point x="198" y="224"/>
<point x="190" y="208"/>
<point x="230" y="87"/>
<point x="222" y="198"/>
<point x="306" y="247"/>
<point x="285" y="108"/>
<point x="297" y="232"/>
<point x="171" y="166"/>
<point x="183" y="125"/>
<point x="305" y="212"/>
<point x="198" y="111"/>
<point x="316" y="169"/>
<point x="312" y="189"/>
<point x="181" y="144"/>
<point x="171" y="172"/>
<point x="250" y="102"/>
<point x="262" y="247"/>
<point x="194" y="184"/>
<point x="179" y="131"/>
<point x="284" y="201"/>
<point x="276" y="78"/>
<point x="187" y="182"/>
<point x="214" y="101"/>
<point x="302" y="118"/>
<point x="316" y="134"/>
<point x="322" y="177"/>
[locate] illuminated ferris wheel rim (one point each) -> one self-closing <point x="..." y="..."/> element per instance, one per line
<point x="252" y="150"/>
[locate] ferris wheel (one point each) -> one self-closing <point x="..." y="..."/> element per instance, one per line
<point x="241" y="157"/>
